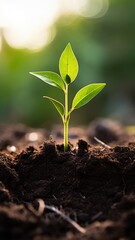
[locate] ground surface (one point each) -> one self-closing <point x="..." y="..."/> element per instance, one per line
<point x="92" y="184"/>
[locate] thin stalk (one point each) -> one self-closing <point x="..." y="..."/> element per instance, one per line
<point x="66" y="120"/>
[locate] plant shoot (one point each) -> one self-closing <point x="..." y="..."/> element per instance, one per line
<point x="68" y="68"/>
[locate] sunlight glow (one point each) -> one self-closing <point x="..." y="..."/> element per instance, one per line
<point x="0" y="42"/>
<point x="28" y="23"/>
<point x="90" y="8"/>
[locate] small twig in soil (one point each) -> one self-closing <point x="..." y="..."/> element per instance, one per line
<point x="54" y="197"/>
<point x="66" y="218"/>
<point x="96" y="216"/>
<point x="37" y="213"/>
<point x="43" y="206"/>
<point x="82" y="196"/>
<point x="102" y="143"/>
<point x="33" y="210"/>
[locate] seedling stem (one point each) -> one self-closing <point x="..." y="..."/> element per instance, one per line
<point x="66" y="120"/>
<point x="68" y="67"/>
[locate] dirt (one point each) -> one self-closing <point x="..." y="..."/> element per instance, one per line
<point x="92" y="184"/>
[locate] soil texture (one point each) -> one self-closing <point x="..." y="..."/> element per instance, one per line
<point x="86" y="193"/>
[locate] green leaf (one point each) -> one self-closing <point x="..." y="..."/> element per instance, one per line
<point x="51" y="78"/>
<point x="85" y="94"/>
<point x="68" y="64"/>
<point x="59" y="106"/>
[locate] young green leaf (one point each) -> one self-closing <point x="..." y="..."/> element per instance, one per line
<point x="85" y="94"/>
<point x="68" y="67"/>
<point x="51" y="78"/>
<point x="68" y="64"/>
<point x="59" y="106"/>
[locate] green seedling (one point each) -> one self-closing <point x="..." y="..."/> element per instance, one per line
<point x="68" y="67"/>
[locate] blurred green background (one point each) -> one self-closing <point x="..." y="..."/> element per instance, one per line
<point x="104" y="45"/>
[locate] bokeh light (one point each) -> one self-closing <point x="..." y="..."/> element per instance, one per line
<point x="0" y="42"/>
<point x="27" y="23"/>
<point x="90" y="8"/>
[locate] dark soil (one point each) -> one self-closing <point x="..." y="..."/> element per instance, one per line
<point x="92" y="184"/>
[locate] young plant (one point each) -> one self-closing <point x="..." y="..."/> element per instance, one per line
<point x="68" y="67"/>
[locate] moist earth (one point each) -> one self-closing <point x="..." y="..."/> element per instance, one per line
<point x="43" y="189"/>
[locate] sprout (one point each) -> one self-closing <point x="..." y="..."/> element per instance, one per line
<point x="68" y="67"/>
